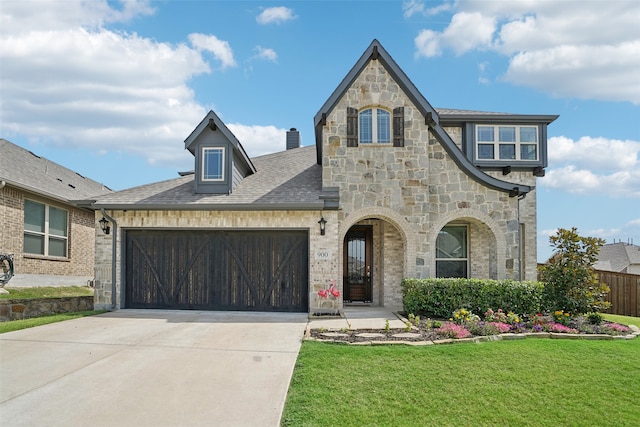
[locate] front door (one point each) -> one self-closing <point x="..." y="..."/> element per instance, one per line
<point x="357" y="264"/>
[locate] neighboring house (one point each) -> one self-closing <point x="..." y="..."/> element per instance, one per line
<point x="619" y="257"/>
<point x="393" y="188"/>
<point x="51" y="239"/>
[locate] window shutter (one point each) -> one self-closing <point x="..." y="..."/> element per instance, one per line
<point x="352" y="127"/>
<point x="398" y="127"/>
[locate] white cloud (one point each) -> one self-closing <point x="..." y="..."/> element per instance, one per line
<point x="259" y="140"/>
<point x="68" y="82"/>
<point x="19" y="17"/>
<point x="582" y="181"/>
<point x="427" y="44"/>
<point x="266" y="53"/>
<point x="418" y="7"/>
<point x="594" y="166"/>
<point x="210" y="43"/>
<point x="275" y="15"/>
<point x="572" y="49"/>
<point x="600" y="154"/>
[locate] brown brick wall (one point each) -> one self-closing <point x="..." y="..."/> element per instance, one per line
<point x="81" y="243"/>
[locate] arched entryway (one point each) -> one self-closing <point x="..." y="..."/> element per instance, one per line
<point x="374" y="254"/>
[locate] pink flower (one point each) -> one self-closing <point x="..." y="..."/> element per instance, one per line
<point x="323" y="293"/>
<point x="332" y="289"/>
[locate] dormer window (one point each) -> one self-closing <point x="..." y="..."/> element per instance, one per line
<point x="213" y="164"/>
<point x="375" y="126"/>
<point x="507" y="142"/>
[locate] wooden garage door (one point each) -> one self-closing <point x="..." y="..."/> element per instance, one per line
<point x="217" y="270"/>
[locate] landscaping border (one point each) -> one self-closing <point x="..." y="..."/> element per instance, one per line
<point x="333" y="336"/>
<point x="19" y="309"/>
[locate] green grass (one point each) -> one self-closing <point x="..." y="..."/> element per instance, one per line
<point x="530" y="382"/>
<point x="16" y="325"/>
<point x="47" y="292"/>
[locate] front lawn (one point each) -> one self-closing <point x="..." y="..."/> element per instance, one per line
<point x="47" y="292"/>
<point x="529" y="382"/>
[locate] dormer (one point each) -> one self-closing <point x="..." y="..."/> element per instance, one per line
<point x="220" y="160"/>
<point x="493" y="141"/>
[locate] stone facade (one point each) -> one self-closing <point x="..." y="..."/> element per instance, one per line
<point x="19" y="309"/>
<point x="75" y="269"/>
<point x="425" y="190"/>
<point x="404" y="193"/>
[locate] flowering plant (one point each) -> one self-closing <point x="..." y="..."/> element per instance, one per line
<point x="495" y="316"/>
<point x="561" y="317"/>
<point x="463" y="315"/>
<point x="557" y="327"/>
<point x="614" y="329"/>
<point x="333" y="291"/>
<point x="452" y="330"/>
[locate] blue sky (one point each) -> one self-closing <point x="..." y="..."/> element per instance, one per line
<point x="111" y="89"/>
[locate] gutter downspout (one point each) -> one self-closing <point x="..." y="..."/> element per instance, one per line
<point x="520" y="197"/>
<point x="113" y="257"/>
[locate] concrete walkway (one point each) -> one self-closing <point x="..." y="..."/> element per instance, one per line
<point x="150" y="368"/>
<point x="359" y="317"/>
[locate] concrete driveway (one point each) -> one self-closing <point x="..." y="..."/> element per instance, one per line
<point x="151" y="368"/>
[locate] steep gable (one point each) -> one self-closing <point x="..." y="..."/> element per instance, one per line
<point x="375" y="52"/>
<point x="221" y="162"/>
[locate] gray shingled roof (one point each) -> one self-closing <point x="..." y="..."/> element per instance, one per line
<point x="617" y="257"/>
<point x="25" y="170"/>
<point x="286" y="180"/>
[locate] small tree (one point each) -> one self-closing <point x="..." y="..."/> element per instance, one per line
<point x="571" y="284"/>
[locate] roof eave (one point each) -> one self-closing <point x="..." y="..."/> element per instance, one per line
<point x="214" y="207"/>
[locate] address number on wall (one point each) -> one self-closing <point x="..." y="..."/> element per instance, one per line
<point x="323" y="254"/>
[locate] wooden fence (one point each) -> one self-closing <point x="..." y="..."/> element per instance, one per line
<point x="625" y="292"/>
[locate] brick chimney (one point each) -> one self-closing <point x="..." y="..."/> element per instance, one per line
<point x="293" y="139"/>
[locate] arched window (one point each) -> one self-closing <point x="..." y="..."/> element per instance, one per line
<point x="375" y="126"/>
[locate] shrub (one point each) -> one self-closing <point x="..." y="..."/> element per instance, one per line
<point x="488" y="328"/>
<point x="595" y="318"/>
<point x="441" y="297"/>
<point x="570" y="283"/>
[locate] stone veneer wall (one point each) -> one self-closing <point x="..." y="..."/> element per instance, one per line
<point x="18" y="309"/>
<point x="81" y="242"/>
<point x="325" y="262"/>
<point x="423" y="185"/>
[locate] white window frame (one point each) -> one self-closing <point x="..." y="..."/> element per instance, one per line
<point x="375" y="134"/>
<point x="46" y="234"/>
<point x="467" y="241"/>
<point x="204" y="169"/>
<point x="496" y="143"/>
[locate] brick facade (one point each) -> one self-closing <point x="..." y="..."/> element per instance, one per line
<point x="78" y="264"/>
<point x="322" y="269"/>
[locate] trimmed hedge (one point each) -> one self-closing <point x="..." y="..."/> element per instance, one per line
<point x="439" y="298"/>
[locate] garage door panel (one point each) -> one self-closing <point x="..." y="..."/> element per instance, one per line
<point x="233" y="270"/>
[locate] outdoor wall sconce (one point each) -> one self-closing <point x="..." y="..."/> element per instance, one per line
<point x="104" y="225"/>
<point x="322" y="223"/>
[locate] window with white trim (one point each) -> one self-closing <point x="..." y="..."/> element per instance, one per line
<point x="507" y="142"/>
<point x="213" y="164"/>
<point x="452" y="252"/>
<point x="375" y="126"/>
<point x="45" y="229"/>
